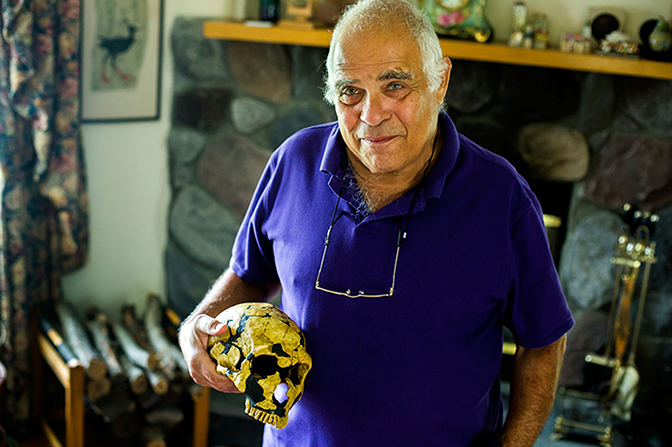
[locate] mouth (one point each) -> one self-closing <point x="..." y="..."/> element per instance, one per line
<point x="372" y="141"/>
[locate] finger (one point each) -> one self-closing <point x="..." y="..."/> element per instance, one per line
<point x="209" y="325"/>
<point x="207" y="375"/>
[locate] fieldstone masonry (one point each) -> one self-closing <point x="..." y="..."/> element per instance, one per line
<point x="587" y="275"/>
<point x="232" y="188"/>
<point x="235" y="102"/>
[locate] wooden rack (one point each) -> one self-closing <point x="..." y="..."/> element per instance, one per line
<point x="71" y="376"/>
<point x="458" y="49"/>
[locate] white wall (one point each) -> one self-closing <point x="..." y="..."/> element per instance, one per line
<point x="127" y="168"/>
<point x="127" y="164"/>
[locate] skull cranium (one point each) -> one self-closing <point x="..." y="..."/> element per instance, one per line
<point x="264" y="354"/>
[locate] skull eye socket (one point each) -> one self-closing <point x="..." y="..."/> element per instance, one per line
<point x="264" y="365"/>
<point x="293" y="375"/>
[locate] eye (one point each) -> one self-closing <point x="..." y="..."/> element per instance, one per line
<point x="397" y="90"/>
<point x="350" y="96"/>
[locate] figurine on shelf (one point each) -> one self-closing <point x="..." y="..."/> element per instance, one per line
<point x="619" y="43"/>
<point x="299" y="14"/>
<point x="519" y="15"/>
<point x="540" y="24"/>
<point x="463" y="19"/>
<point x="660" y="39"/>
<point x="575" y="43"/>
<point x="269" y="11"/>
<point x="519" y="21"/>
<point x="645" y="49"/>
<point x="528" y="35"/>
<point x="516" y="38"/>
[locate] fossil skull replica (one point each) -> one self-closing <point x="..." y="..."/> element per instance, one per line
<point x="264" y="354"/>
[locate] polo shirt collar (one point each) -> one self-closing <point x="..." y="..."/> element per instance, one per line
<point x="434" y="184"/>
<point x="436" y="179"/>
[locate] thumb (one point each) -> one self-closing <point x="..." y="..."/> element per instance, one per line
<point x="210" y="326"/>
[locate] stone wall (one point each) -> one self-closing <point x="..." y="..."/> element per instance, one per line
<point x="587" y="143"/>
<point x="234" y="103"/>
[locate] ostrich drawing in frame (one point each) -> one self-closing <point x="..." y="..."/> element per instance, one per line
<point x="121" y="38"/>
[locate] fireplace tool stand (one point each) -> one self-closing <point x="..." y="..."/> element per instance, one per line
<point x="592" y="414"/>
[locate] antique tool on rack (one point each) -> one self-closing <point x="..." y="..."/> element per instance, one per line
<point x="635" y="249"/>
<point x="635" y="253"/>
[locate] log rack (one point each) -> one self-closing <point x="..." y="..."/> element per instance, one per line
<point x="71" y="376"/>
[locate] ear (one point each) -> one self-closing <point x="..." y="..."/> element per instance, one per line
<point x="445" y="79"/>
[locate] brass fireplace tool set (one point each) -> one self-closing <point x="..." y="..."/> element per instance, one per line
<point x="635" y="253"/>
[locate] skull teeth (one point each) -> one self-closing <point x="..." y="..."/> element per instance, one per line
<point x="264" y="417"/>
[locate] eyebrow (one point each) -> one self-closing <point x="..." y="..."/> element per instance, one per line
<point x="340" y="84"/>
<point x="393" y="74"/>
<point x="384" y="76"/>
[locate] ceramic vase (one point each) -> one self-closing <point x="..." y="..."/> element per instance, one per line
<point x="660" y="39"/>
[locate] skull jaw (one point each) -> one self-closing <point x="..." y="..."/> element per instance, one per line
<point x="265" y="408"/>
<point x="265" y="417"/>
<point x="254" y="409"/>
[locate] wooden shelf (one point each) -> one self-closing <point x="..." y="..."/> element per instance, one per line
<point x="491" y="52"/>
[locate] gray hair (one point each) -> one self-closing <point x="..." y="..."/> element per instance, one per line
<point x="370" y="14"/>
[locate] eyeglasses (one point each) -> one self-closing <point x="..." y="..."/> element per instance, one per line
<point x="401" y="239"/>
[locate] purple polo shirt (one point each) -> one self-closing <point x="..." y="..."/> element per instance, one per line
<point x="420" y="368"/>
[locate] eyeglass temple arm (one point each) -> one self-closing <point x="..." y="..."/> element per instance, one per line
<point x="401" y="237"/>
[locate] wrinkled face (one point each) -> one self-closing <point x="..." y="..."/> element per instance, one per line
<point x="264" y="354"/>
<point x="387" y="115"/>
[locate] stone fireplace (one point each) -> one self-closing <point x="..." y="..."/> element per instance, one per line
<point x="587" y="143"/>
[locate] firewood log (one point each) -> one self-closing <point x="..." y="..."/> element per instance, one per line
<point x="96" y="389"/>
<point x="97" y="326"/>
<point x="133" y="351"/>
<point x="77" y="338"/>
<point x="135" y="327"/>
<point x="153" y="437"/>
<point x="171" y="323"/>
<point x="160" y="384"/>
<point x="166" y="416"/>
<point x="126" y="426"/>
<point x="69" y="357"/>
<point x="148" y="400"/>
<point x="137" y="378"/>
<point x="118" y="413"/>
<point x="170" y="354"/>
<point x="196" y="392"/>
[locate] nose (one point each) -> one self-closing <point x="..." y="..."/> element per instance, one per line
<point x="374" y="110"/>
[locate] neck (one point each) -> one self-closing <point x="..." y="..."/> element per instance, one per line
<point x="381" y="189"/>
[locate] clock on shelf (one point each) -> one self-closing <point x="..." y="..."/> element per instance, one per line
<point x="459" y="18"/>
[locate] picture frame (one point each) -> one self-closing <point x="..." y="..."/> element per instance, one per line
<point x="121" y="60"/>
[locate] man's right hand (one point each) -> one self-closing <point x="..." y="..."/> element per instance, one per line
<point x="193" y="340"/>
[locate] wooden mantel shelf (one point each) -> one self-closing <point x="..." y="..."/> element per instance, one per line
<point x="492" y="52"/>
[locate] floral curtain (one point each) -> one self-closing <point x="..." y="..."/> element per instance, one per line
<point x="43" y="209"/>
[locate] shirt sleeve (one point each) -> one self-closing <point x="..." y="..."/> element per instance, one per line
<point x="252" y="259"/>
<point x="536" y="309"/>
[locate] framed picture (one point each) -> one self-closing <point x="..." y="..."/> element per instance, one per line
<point x="121" y="60"/>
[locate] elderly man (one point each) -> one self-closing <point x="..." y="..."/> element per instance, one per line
<point x="433" y="246"/>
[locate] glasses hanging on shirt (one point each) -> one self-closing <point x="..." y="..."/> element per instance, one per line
<point x="401" y="240"/>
